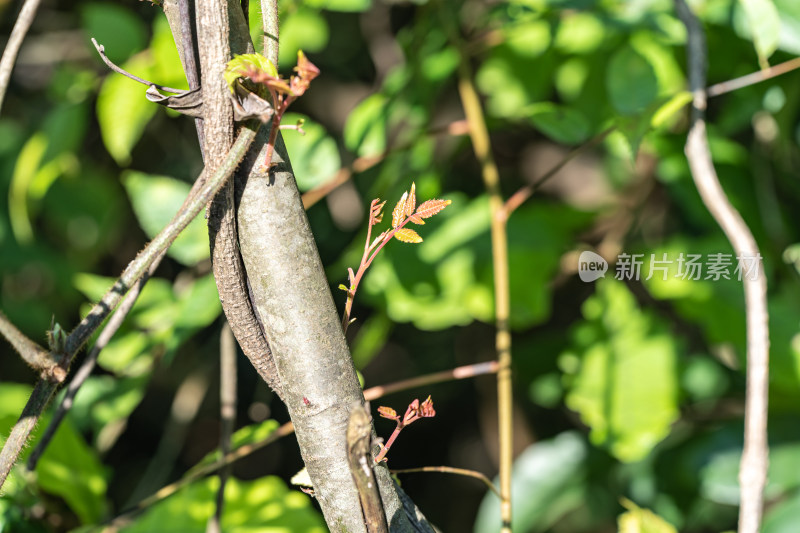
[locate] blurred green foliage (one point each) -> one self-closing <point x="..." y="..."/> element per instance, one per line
<point x="629" y="394"/>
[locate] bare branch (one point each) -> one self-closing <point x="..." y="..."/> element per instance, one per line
<point x="16" y="440"/>
<point x="209" y="183"/>
<point x="227" y="395"/>
<point x="102" y="51"/>
<point x="21" y="26"/>
<point x="269" y="15"/>
<point x="753" y="469"/>
<point x="755" y="77"/>
<point x="33" y="354"/>
<point x="451" y="470"/>
<point x="89" y="363"/>
<point x="364" y="163"/>
<point x="190" y="64"/>
<point x="519" y="197"/>
<point x="461" y="372"/>
<point x="481" y="145"/>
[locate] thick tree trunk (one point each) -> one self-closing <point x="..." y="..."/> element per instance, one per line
<point x="288" y="298"/>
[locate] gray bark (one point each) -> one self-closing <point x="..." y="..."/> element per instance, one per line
<point x="292" y="307"/>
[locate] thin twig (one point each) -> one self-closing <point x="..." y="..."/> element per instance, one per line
<point x="21" y="26"/>
<point x="461" y="372"/>
<point x="16" y="440"/>
<point x="227" y="396"/>
<point x="102" y="51"/>
<point x="33" y="354"/>
<point x="751" y="79"/>
<point x="753" y="468"/>
<point x="89" y="363"/>
<point x="479" y="134"/>
<point x="372" y="393"/>
<point x="211" y="183"/>
<point x="364" y="163"/>
<point x="451" y="470"/>
<point x="190" y="64"/>
<point x="519" y="197"/>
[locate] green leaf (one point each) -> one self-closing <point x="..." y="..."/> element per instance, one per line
<point x="638" y="520"/>
<point x="315" y="156"/>
<point x="763" y="25"/>
<point x="265" y="504"/>
<point x="547" y="482"/>
<point x="529" y="38"/>
<point x="303" y="29"/>
<point x="631" y="81"/>
<point x="622" y="373"/>
<point x="509" y="83"/>
<point x="579" y="33"/>
<point x="122" y="109"/>
<point x="155" y="201"/>
<point x="198" y="304"/>
<point x="365" y="129"/>
<point x="244" y="65"/>
<point x="104" y="402"/>
<point x="117" y="28"/>
<point x="563" y="124"/>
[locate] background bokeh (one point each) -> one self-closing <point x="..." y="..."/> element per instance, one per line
<point x="628" y="394"/>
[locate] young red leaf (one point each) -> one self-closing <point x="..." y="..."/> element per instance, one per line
<point x="388" y="412"/>
<point x="407" y="235"/>
<point x="431" y="207"/>
<point x="416" y="219"/>
<point x="399" y="212"/>
<point x="411" y="202"/>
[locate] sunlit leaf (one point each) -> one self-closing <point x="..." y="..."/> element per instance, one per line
<point x="411" y="201"/>
<point x="764" y="26"/>
<point x="407" y="235"/>
<point x="638" y="520"/>
<point x="399" y="211"/>
<point x="430" y="207"/>
<point x="122" y="109"/>
<point x="155" y="201"/>
<point x="622" y="373"/>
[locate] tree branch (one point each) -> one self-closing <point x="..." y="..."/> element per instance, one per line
<point x="88" y="365"/>
<point x="481" y="145"/>
<point x="227" y="396"/>
<point x="21" y="26"/>
<point x="37" y="357"/>
<point x="42" y="393"/>
<point x="753" y="469"/>
<point x="751" y="79"/>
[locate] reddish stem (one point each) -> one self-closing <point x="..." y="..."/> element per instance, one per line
<point x="385" y="449"/>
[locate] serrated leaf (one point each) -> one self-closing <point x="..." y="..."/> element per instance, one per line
<point x="399" y="211"/>
<point x="431" y="207"/>
<point x="416" y="219"/>
<point x="407" y="235"/>
<point x="411" y="202"/>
